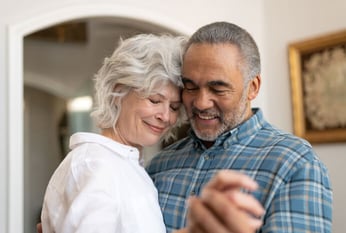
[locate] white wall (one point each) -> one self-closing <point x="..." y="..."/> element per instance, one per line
<point x="290" y="21"/>
<point x="273" y="24"/>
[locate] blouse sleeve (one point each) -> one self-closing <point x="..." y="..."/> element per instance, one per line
<point x="94" y="204"/>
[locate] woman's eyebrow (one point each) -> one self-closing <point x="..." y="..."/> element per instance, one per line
<point x="162" y="96"/>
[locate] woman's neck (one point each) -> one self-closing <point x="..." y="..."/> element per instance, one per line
<point x="115" y="135"/>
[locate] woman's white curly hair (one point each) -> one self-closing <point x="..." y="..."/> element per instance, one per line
<point x="139" y="63"/>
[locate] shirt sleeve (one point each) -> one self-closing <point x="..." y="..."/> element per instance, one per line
<point x="94" y="205"/>
<point x="303" y="203"/>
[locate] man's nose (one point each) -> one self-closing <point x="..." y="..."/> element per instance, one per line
<point x="202" y="100"/>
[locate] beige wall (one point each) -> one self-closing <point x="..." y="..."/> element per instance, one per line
<point x="286" y="22"/>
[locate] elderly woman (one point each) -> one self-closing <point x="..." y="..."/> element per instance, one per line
<point x="101" y="186"/>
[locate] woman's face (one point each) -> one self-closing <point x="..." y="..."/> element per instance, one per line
<point x="143" y="121"/>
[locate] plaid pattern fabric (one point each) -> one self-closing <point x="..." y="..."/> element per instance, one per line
<point x="294" y="184"/>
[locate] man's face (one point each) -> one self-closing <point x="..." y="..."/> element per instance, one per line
<point x="214" y="94"/>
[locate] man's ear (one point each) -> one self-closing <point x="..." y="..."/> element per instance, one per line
<point x="254" y="87"/>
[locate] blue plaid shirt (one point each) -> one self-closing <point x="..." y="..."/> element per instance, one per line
<point x="294" y="184"/>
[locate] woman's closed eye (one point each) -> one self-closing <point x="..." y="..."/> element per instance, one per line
<point x="175" y="107"/>
<point x="154" y="101"/>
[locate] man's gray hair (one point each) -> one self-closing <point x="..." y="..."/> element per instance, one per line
<point x="224" y="32"/>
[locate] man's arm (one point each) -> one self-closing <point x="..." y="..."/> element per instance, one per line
<point x="303" y="203"/>
<point x="223" y="207"/>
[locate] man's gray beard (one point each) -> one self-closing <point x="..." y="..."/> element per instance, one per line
<point x="234" y="121"/>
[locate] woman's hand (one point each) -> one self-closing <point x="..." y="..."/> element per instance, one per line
<point x="223" y="207"/>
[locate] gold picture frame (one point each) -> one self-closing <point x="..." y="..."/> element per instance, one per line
<point x="318" y="87"/>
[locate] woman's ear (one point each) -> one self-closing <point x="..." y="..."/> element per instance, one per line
<point x="254" y="87"/>
<point x="117" y="87"/>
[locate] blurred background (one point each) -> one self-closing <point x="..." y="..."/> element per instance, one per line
<point x="50" y="51"/>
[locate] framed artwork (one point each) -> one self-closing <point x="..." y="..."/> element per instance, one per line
<point x="318" y="87"/>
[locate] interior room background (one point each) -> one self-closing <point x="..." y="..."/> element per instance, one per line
<point x="41" y="79"/>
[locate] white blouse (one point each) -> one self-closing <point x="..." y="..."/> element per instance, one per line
<point x="101" y="187"/>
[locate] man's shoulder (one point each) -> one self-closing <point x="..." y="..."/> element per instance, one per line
<point x="260" y="133"/>
<point x="283" y="144"/>
<point x="281" y="137"/>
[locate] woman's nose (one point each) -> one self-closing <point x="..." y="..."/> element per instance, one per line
<point x="163" y="114"/>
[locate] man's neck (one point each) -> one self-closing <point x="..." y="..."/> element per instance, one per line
<point x="208" y="144"/>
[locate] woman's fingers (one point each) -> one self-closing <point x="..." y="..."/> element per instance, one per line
<point x="245" y="202"/>
<point x="226" y="179"/>
<point x="224" y="207"/>
<point x="201" y="219"/>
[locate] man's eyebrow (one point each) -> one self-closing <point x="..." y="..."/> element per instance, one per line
<point x="219" y="83"/>
<point x="186" y="80"/>
<point x="210" y="83"/>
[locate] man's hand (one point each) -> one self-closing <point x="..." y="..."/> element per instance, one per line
<point x="223" y="207"/>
